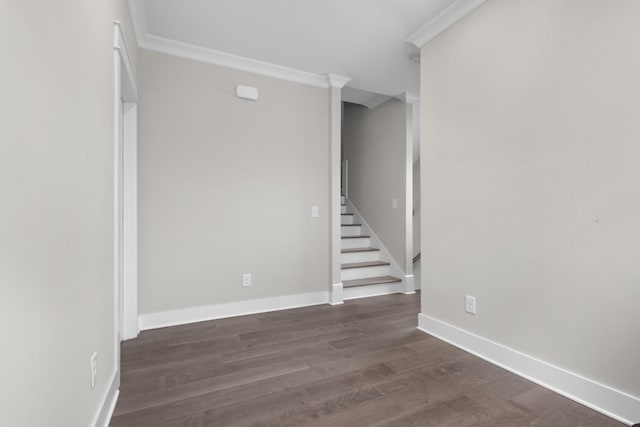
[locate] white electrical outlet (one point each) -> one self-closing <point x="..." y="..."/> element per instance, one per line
<point x="246" y="279"/>
<point x="394" y="203"/>
<point x="94" y="368"/>
<point x="470" y="304"/>
<point x="315" y="212"/>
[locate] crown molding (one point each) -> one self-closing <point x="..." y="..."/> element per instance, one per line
<point x="241" y="63"/>
<point x="336" y="81"/>
<point x="443" y="21"/>
<point x="375" y="101"/>
<point x="210" y="56"/>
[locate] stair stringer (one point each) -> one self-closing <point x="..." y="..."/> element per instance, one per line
<point x="394" y="268"/>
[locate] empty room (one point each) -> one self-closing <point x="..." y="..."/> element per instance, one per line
<point x="320" y="213"/>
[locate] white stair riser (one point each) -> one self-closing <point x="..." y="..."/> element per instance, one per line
<point x="360" y="257"/>
<point x="362" y="272"/>
<point x="361" y="242"/>
<point x="346" y="219"/>
<point x="351" y="231"/>
<point x="356" y="242"/>
<point x="371" y="290"/>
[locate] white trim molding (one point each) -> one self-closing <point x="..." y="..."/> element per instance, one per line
<point x="236" y="62"/>
<point x="130" y="88"/>
<point x="125" y="189"/>
<point x="224" y="59"/>
<point x="105" y="413"/>
<point x="231" y="309"/>
<point x="337" y="294"/>
<point x="409" y="284"/>
<point x="443" y="21"/>
<point x="599" y="397"/>
<point x="336" y="81"/>
<point x="407" y="97"/>
<point x="374" y="101"/>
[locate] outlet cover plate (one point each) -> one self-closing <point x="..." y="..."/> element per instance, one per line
<point x="470" y="304"/>
<point x="246" y="279"/>
<point x="94" y="368"/>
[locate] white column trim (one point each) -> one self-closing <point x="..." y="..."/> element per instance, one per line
<point x="336" y="81"/>
<point x="120" y="45"/>
<point x="409" y="284"/>
<point x="408" y="217"/>
<point x="336" y="297"/>
<point x="125" y="142"/>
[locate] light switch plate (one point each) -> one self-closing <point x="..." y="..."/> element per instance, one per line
<point x="315" y="211"/>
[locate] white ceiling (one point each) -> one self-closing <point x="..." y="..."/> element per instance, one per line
<point x="360" y="39"/>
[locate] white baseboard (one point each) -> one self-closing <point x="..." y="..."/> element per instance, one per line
<point x="373" y="290"/>
<point x="232" y="309"/>
<point x="103" y="417"/>
<point x="602" y="398"/>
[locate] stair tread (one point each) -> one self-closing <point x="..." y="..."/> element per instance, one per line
<point x="346" y="214"/>
<point x="356" y="237"/>
<point x="370" y="281"/>
<point x="364" y="264"/>
<point x="351" y="250"/>
<point x="350" y="225"/>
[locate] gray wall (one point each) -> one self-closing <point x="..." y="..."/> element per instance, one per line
<point x="530" y="181"/>
<point x="56" y="220"/>
<point x="375" y="145"/>
<point x="226" y="186"/>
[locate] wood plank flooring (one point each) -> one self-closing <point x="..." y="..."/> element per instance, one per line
<point x="359" y="364"/>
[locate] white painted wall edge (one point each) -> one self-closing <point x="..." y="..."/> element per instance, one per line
<point x="232" y="309"/>
<point x="599" y="397"/>
<point x="105" y="412"/>
<point x="443" y="21"/>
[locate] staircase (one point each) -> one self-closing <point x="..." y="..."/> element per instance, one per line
<point x="362" y="264"/>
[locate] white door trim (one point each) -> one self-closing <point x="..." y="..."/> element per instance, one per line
<point x="126" y="140"/>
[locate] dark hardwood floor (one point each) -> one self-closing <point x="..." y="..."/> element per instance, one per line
<point x="359" y="364"/>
